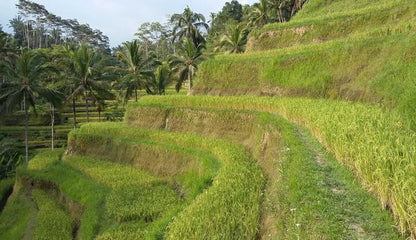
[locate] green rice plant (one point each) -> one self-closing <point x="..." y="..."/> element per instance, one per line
<point x="19" y="211"/>
<point x="317" y="198"/>
<point x="135" y="194"/>
<point x="312" y="196"/>
<point x="378" y="145"/>
<point x="142" y="202"/>
<point x="112" y="175"/>
<point x="340" y="26"/>
<point x="140" y="151"/>
<point x="75" y="187"/>
<point x="52" y="222"/>
<point x="381" y="70"/>
<point x="129" y="230"/>
<point x="45" y="158"/>
<point x="320" y="8"/>
<point x="233" y="200"/>
<point x="230" y="125"/>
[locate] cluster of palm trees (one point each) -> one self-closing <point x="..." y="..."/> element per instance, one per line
<point x="145" y="71"/>
<point x="61" y="75"/>
<point x="30" y="78"/>
<point x="22" y="85"/>
<point x="233" y="24"/>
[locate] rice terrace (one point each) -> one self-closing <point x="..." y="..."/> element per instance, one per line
<point x="270" y="119"/>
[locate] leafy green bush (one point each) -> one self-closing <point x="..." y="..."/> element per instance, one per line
<point x="6" y="187"/>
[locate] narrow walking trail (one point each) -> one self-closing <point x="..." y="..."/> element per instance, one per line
<point x="314" y="197"/>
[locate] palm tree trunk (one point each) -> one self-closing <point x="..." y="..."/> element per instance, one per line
<point x="26" y="127"/>
<point x="190" y="81"/>
<point x="53" y="125"/>
<point x="135" y="92"/>
<point x="86" y="107"/>
<point x="27" y="35"/>
<point x="74" y="113"/>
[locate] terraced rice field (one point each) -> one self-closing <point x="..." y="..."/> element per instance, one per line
<point x="161" y="174"/>
<point x="249" y="167"/>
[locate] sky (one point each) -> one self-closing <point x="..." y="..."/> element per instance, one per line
<point x="118" y="19"/>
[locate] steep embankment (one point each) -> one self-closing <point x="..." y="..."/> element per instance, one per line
<point x="352" y="50"/>
<point x="375" y="144"/>
<point x="305" y="185"/>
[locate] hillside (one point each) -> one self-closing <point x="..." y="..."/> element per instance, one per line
<point x="349" y="50"/>
<point x="299" y="163"/>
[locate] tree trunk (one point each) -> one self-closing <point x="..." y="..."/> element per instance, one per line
<point x="53" y="125"/>
<point x="40" y="37"/>
<point x="27" y="35"/>
<point x="74" y="113"/>
<point x="33" y="39"/>
<point x="86" y="106"/>
<point x="135" y="92"/>
<point x="26" y="127"/>
<point x="190" y="81"/>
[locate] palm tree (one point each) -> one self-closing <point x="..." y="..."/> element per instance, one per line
<point x="258" y="16"/>
<point x="161" y="79"/>
<point x="23" y="86"/>
<point x="134" y="67"/>
<point x="188" y="24"/>
<point x="236" y="39"/>
<point x="9" y="157"/>
<point x="6" y="48"/>
<point x="277" y="6"/>
<point x="297" y="5"/>
<point x="62" y="60"/>
<point x="186" y="63"/>
<point x="83" y="62"/>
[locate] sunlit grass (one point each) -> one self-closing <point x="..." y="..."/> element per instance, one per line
<point x="378" y="145"/>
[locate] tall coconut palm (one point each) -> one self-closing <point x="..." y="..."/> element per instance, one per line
<point x="160" y="80"/>
<point x="62" y="60"/>
<point x="189" y="24"/>
<point x="186" y="63"/>
<point x="235" y="40"/>
<point x="258" y="16"/>
<point x="134" y="66"/>
<point x="23" y="86"/>
<point x="278" y="6"/>
<point x="84" y="61"/>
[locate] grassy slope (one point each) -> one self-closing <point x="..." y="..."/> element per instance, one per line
<point x="52" y="222"/>
<point x="18" y="216"/>
<point x="360" y="54"/>
<point x="119" y="201"/>
<point x="373" y="20"/>
<point x="330" y="203"/>
<point x="385" y="167"/>
<point x="135" y="203"/>
<point x="238" y="180"/>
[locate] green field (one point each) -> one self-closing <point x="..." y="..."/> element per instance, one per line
<point x="309" y="134"/>
<point x="364" y="52"/>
